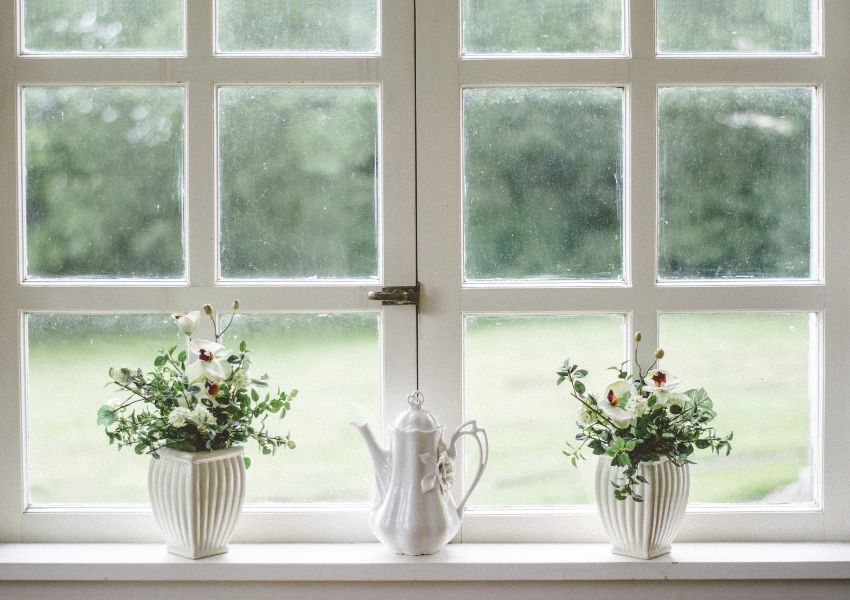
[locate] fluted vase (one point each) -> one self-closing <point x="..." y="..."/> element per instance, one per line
<point x="197" y="498"/>
<point x="643" y="529"/>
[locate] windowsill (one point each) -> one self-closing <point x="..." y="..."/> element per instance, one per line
<point x="458" y="562"/>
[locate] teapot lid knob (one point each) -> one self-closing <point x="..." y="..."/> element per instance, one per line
<point x="416" y="399"/>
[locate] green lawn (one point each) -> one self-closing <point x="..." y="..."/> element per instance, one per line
<point x="753" y="365"/>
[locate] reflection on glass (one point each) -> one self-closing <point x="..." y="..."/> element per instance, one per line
<point x="509" y="388"/>
<point x="543" y="183"/>
<point x="760" y="369"/>
<point x="542" y="26"/>
<point x="298" y="168"/>
<point x="334" y="362"/>
<point x="330" y="26"/>
<point x="69" y="356"/>
<point x="735" y="171"/>
<point x="104" y="181"/>
<point x="736" y="27"/>
<point x="103" y="26"/>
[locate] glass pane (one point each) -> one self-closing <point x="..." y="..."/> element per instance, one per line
<point x="540" y="200"/>
<point x="104" y="181"/>
<point x="736" y="27"/>
<point x="509" y="388"/>
<point x="69" y="358"/>
<point x="334" y="362"/>
<point x="103" y="26"/>
<point x="760" y="370"/>
<point x="735" y="179"/>
<point x="298" y="26"/>
<point x="542" y="26"/>
<point x="298" y="170"/>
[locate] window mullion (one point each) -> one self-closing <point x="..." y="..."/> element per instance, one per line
<point x="11" y="442"/>
<point x="438" y="212"/>
<point x="835" y="326"/>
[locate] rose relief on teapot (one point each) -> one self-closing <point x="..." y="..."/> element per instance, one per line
<point x="414" y="510"/>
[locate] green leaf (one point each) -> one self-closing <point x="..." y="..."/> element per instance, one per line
<point x="245" y="459"/>
<point x="579" y="387"/>
<point x="106" y="415"/>
<point x="580" y="373"/>
<point x="254" y="395"/>
<point x="181" y="358"/>
<point x="243" y="346"/>
<point x="140" y="448"/>
<point x="159" y="360"/>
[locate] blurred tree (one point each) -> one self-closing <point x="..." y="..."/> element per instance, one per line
<point x="544" y="176"/>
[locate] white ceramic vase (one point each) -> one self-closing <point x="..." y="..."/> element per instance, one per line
<point x="643" y="529"/>
<point x="197" y="498"/>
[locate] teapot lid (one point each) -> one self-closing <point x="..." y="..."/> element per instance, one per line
<point x="415" y="418"/>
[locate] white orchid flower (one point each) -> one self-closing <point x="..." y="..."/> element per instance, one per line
<point x="211" y="392"/>
<point x="187" y="322"/>
<point x="617" y="394"/>
<point x="207" y="360"/>
<point x="661" y="383"/>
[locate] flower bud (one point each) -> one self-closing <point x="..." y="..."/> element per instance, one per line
<point x="659" y="354"/>
<point x="235" y="305"/>
<point x="208" y="309"/>
<point x="637" y="336"/>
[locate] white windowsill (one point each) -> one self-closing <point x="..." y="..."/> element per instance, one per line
<point x="458" y="562"/>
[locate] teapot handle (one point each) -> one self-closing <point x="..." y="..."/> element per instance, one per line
<point x="480" y="435"/>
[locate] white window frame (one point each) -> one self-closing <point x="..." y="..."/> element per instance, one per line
<point x="641" y="297"/>
<point x="201" y="71"/>
<point x="430" y="173"/>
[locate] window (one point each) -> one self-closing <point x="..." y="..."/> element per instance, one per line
<point x="557" y="174"/>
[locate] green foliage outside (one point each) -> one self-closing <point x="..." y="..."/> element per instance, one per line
<point x="298" y="177"/>
<point x="544" y="183"/>
<point x="103" y="25"/>
<point x="104" y="183"/>
<point x="745" y="26"/>
<point x="735" y="170"/>
<point x="297" y="25"/>
<point x="507" y="26"/>
<point x="299" y="165"/>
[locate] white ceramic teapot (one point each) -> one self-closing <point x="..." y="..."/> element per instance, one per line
<point x="414" y="511"/>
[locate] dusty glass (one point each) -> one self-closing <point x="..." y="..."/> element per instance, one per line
<point x="509" y="388"/>
<point x="735" y="169"/>
<point x="298" y="26"/>
<point x="298" y="182"/>
<point x="103" y="26"/>
<point x="68" y="359"/>
<point x="543" y="183"/>
<point x="736" y="27"/>
<point x="760" y="369"/>
<point x="333" y="359"/>
<point x="542" y="26"/>
<point x="104" y="182"/>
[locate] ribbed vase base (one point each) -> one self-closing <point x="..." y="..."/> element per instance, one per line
<point x="196" y="552"/>
<point x="645" y="554"/>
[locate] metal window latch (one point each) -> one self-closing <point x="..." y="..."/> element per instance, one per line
<point x="396" y="295"/>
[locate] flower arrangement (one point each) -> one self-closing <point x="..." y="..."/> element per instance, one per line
<point x="641" y="418"/>
<point x="202" y="398"/>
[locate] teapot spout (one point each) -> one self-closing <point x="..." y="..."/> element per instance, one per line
<point x="380" y="457"/>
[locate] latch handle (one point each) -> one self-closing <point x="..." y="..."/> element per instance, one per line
<point x="397" y="295"/>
